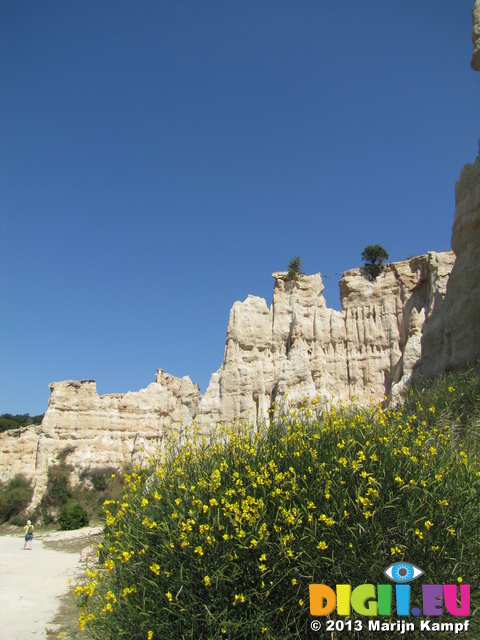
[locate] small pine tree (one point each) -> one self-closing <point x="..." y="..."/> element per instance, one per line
<point x="373" y="256"/>
<point x="295" y="268"/>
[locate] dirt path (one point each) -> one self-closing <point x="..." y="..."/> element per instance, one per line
<point x="31" y="582"/>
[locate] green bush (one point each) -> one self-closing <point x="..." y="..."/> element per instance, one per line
<point x="58" y="494"/>
<point x="295" y="268"/>
<point x="373" y="256"/>
<point x="224" y="537"/>
<point x="101" y="477"/>
<point x="15" y="496"/>
<point x="456" y="398"/>
<point x="9" y="421"/>
<point x="59" y="491"/>
<point x="73" y="516"/>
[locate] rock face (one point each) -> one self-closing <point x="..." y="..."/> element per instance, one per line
<point x="97" y="431"/>
<point x="300" y="347"/>
<point x="476" y="36"/>
<point x="452" y="335"/>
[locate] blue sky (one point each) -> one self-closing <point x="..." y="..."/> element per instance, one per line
<point x="159" y="160"/>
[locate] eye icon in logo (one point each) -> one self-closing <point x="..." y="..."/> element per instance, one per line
<point x="403" y="572"/>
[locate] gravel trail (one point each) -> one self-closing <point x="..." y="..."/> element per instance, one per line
<point x="32" y="581"/>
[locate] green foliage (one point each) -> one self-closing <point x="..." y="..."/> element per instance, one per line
<point x="456" y="398"/>
<point x="295" y="268"/>
<point x="58" y="494"/>
<point x="9" y="421"/>
<point x="15" y="496"/>
<point x="373" y="256"/>
<point x="96" y="485"/>
<point x="73" y="516"/>
<point x="223" y="538"/>
<point x="101" y="478"/>
<point x="59" y="491"/>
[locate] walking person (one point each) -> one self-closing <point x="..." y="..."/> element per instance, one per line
<point x="28" y="528"/>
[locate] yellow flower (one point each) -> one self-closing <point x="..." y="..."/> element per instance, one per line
<point x="155" y="568"/>
<point x="429" y="524"/>
<point x="207" y="581"/>
<point x="459" y="579"/>
<point x="150" y="635"/>
<point x="294" y="581"/>
<point x="126" y="555"/>
<point x="169" y="596"/>
<point x="300" y="602"/>
<point x="452" y="532"/>
<point x="322" y="545"/>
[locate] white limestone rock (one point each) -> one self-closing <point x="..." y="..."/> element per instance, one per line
<point x="451" y="337"/>
<point x="98" y="431"/>
<point x="301" y="348"/>
<point x="476" y="36"/>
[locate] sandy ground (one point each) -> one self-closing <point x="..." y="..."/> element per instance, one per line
<point x="31" y="582"/>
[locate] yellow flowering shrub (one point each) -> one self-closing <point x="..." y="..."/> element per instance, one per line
<point x="246" y="518"/>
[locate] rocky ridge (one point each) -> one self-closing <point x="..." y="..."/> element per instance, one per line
<point x="300" y="348"/>
<point x="98" y="431"/>
<point x="296" y="348"/>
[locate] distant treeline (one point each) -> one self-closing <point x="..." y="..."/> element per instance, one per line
<point x="7" y="421"/>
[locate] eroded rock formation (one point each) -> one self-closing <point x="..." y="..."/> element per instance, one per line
<point x="476" y="36"/>
<point x="302" y="348"/>
<point x="452" y="335"/>
<point x="96" y="431"/>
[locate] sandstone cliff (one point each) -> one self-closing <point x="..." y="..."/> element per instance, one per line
<point x="300" y="347"/>
<point x="106" y="430"/>
<point x="452" y="335"/>
<point x="476" y="36"/>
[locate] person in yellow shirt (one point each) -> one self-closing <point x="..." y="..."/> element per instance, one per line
<point x="28" y="528"/>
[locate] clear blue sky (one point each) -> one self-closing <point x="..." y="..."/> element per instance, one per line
<point x="159" y="160"/>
